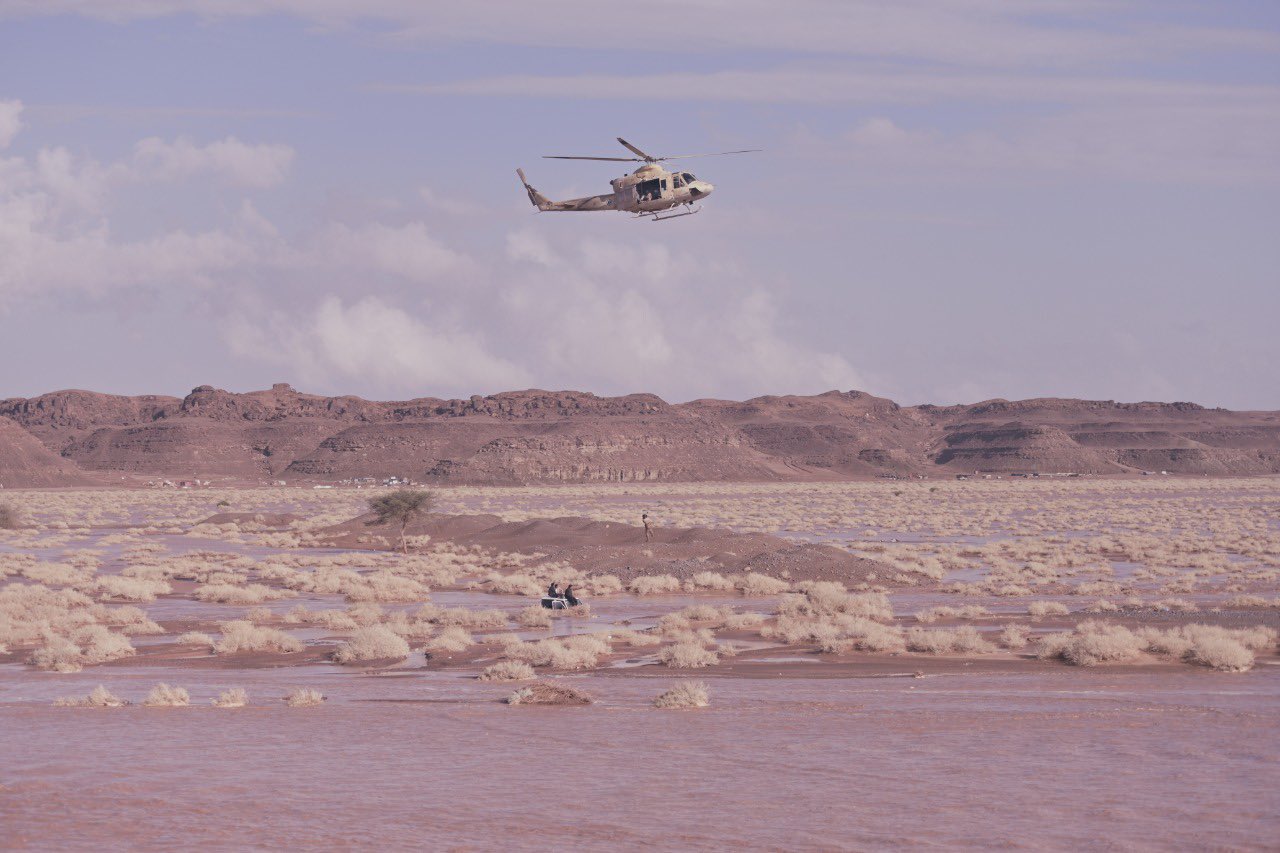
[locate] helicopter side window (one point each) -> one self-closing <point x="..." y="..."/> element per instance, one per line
<point x="677" y="181"/>
<point x="649" y="190"/>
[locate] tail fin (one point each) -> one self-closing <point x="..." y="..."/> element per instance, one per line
<point x="539" y="200"/>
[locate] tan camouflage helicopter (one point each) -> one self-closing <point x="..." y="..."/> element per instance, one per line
<point x="646" y="192"/>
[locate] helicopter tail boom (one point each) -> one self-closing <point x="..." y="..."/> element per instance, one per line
<point x="593" y="202"/>
<point x="538" y="200"/>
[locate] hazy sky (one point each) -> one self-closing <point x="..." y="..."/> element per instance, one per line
<point x="959" y="199"/>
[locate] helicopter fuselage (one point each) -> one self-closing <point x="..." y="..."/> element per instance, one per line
<point x="649" y="189"/>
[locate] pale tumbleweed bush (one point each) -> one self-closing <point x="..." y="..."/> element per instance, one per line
<point x="685" y="694"/>
<point x="99" y="697"/>
<point x="236" y="697"/>
<point x="164" y="696"/>
<point x="241" y="635"/>
<point x="508" y="670"/>
<point x="302" y="697"/>
<point x="372" y="643"/>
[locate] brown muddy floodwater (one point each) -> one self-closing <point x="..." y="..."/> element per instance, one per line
<point x="1179" y="759"/>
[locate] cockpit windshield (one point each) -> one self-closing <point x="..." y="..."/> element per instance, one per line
<point x="688" y="177"/>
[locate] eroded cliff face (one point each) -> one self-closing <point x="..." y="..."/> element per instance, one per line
<point x="567" y="436"/>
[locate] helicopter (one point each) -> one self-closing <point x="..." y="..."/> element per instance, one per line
<point x="649" y="191"/>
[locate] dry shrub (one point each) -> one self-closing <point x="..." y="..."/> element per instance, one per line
<point x="1176" y="605"/>
<point x="236" y="697"/>
<point x="462" y="617"/>
<point x="132" y="589"/>
<point x="743" y="621"/>
<point x="164" y="696"/>
<point x="258" y="615"/>
<point x="243" y="636"/>
<point x="968" y="611"/>
<point x="1242" y="601"/>
<point x="514" y="584"/>
<point x="333" y="620"/>
<point x="99" y="697"/>
<point x="195" y="638"/>
<point x="508" y="670"/>
<point x="387" y="587"/>
<point x="635" y="639"/>
<point x="86" y="646"/>
<point x="225" y="593"/>
<point x="756" y="584"/>
<point x="452" y="639"/>
<point x="372" y="643"/>
<point x="827" y="601"/>
<point x="1014" y="636"/>
<point x="600" y="585"/>
<point x="685" y="694"/>
<point x="548" y="693"/>
<point x="703" y="581"/>
<point x="303" y="697"/>
<point x="534" y="616"/>
<point x="1219" y="648"/>
<point x="581" y="651"/>
<point x="687" y="655"/>
<point x="1103" y="606"/>
<point x="943" y="641"/>
<point x="1092" y="643"/>
<point x="8" y="517"/>
<point x="1041" y="609"/>
<point x="654" y="585"/>
<point x="863" y="635"/>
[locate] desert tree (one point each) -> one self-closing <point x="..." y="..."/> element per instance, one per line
<point x="401" y="507"/>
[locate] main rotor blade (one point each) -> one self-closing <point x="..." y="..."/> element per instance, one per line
<point x="648" y="158"/>
<point x="711" y="154"/>
<point x="614" y="159"/>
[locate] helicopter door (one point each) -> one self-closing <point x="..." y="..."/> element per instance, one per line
<point x="650" y="190"/>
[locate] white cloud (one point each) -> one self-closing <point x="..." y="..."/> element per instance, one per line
<point x="377" y="345"/>
<point x="409" y="251"/>
<point x="247" y="165"/>
<point x="10" y="121"/>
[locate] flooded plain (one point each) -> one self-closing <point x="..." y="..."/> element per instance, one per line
<point x="811" y="739"/>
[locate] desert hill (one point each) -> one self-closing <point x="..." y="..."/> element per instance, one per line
<point x="567" y="436"/>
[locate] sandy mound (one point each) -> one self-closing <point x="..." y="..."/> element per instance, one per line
<point x="621" y="549"/>
<point x="265" y="519"/>
<point x="25" y="462"/>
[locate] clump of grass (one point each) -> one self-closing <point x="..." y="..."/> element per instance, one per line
<point x="236" y="697"/>
<point x="1041" y="609"/>
<point x="302" y="697"/>
<point x="688" y="655"/>
<point x="508" y="670"/>
<point x="372" y="643"/>
<point x="756" y="584"/>
<point x="99" y="697"/>
<point x="195" y="638"/>
<point x="581" y="651"/>
<point x="654" y="585"/>
<point x="86" y="646"/>
<point x="164" y="696"/>
<point x="685" y="694"/>
<point x="968" y="611"/>
<point x="452" y="639"/>
<point x="534" y="616"/>
<point x="1092" y="643"/>
<point x="1014" y="636"/>
<point x="706" y="581"/>
<point x="548" y="693"/>
<point x="942" y="641"/>
<point x="241" y="635"/>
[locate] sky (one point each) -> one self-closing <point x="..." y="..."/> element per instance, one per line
<point x="957" y="200"/>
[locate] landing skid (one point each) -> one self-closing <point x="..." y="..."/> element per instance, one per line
<point x="657" y="216"/>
